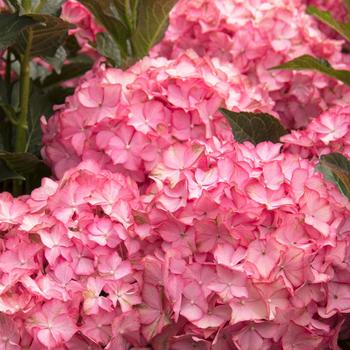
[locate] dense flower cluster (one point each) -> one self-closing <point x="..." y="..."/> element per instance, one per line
<point x="255" y="36"/>
<point x="162" y="231"/>
<point x="330" y="132"/>
<point x="124" y="119"/>
<point x="264" y="232"/>
<point x="229" y="244"/>
<point x="60" y="248"/>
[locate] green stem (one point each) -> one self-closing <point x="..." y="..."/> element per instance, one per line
<point x="22" y="126"/>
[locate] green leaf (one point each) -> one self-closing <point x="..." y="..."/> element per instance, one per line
<point x="39" y="106"/>
<point x="27" y="167"/>
<point x="152" y="24"/>
<point x="347" y="4"/>
<point x="6" y="173"/>
<point x="72" y="70"/>
<point x="58" y="94"/>
<point x="57" y="61"/>
<point x="108" y="16"/>
<point x="2" y="142"/>
<point x="48" y="35"/>
<point x="336" y="169"/>
<point x="51" y="7"/>
<point x="254" y="127"/>
<point x="9" y="113"/>
<point x="11" y="26"/>
<point x="128" y="11"/>
<point x="33" y="179"/>
<point x="106" y="46"/>
<point x="325" y="17"/>
<point x="23" y="163"/>
<point x="72" y="46"/>
<point x="4" y="90"/>
<point x="307" y="62"/>
<point x="48" y="7"/>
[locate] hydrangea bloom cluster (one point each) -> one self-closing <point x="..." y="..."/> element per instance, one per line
<point x="228" y="245"/>
<point x="260" y="223"/>
<point x="164" y="232"/>
<point x="124" y="119"/>
<point x="330" y="132"/>
<point x="61" y="248"/>
<point x="255" y="36"/>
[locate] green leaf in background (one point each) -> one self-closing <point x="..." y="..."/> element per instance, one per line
<point x="27" y="166"/>
<point x="336" y="168"/>
<point x="57" y="61"/>
<point x="72" y="46"/>
<point x="152" y="24"/>
<point x="8" y="111"/>
<point x="22" y="163"/>
<point x="76" y="68"/>
<point x="307" y="62"/>
<point x="8" y="117"/>
<point x="128" y="11"/>
<point x="50" y="7"/>
<point x="33" y="179"/>
<point x="106" y="46"/>
<point x="48" y="35"/>
<point x="11" y="26"/>
<point x="254" y="127"/>
<point x="107" y="15"/>
<point x="134" y="25"/>
<point x="327" y="18"/>
<point x="45" y="7"/>
<point x="39" y="105"/>
<point x="58" y="94"/>
<point x="6" y="173"/>
<point x="347" y="4"/>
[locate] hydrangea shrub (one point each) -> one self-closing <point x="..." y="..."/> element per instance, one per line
<point x="163" y="229"/>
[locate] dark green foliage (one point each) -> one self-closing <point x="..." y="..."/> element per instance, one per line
<point x="254" y="127"/>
